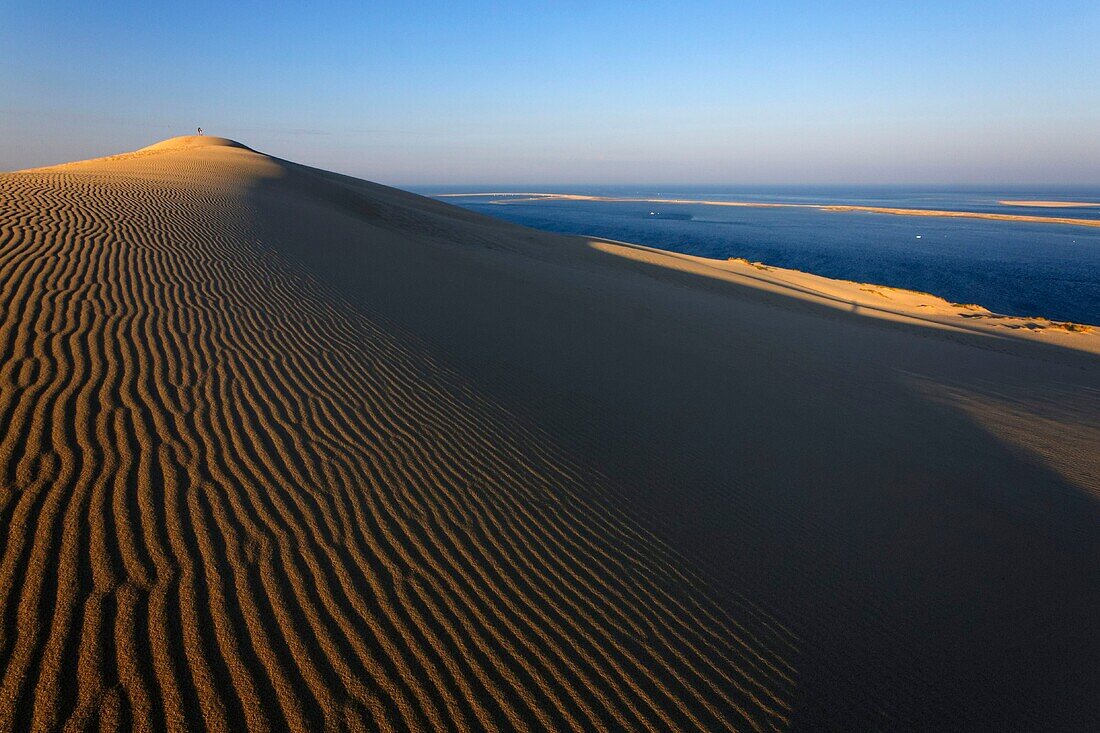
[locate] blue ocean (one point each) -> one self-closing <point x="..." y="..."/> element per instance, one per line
<point x="1015" y="268"/>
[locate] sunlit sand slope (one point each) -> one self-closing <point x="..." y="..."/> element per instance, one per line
<point x="286" y="450"/>
<point x="230" y="499"/>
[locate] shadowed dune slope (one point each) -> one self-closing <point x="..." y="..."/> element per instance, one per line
<point x="284" y="449"/>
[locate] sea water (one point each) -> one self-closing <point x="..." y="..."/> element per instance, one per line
<point x="1015" y="268"/>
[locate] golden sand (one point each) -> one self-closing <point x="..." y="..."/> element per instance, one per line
<point x="284" y="449"/>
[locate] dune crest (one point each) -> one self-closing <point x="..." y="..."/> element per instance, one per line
<point x="284" y="449"/>
<point x="185" y="142"/>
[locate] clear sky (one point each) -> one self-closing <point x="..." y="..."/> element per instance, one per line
<point x="598" y="91"/>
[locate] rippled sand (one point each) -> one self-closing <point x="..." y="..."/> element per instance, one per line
<point x="283" y="449"/>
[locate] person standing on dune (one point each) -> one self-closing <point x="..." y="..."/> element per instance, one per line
<point x="200" y="130"/>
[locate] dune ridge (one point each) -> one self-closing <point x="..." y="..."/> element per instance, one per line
<point x="283" y="449"/>
<point x="264" y="511"/>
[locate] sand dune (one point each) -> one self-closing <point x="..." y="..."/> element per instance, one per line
<point x="283" y="449"/>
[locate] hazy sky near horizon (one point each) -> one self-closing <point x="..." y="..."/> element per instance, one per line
<point x="571" y="92"/>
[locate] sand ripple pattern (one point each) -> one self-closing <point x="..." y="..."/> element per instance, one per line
<point x="229" y="500"/>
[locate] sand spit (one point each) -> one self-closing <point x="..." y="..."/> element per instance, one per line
<point x="283" y="450"/>
<point x="505" y="198"/>
<point x="1052" y="204"/>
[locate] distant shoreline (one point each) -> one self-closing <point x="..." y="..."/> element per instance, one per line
<point x="522" y="197"/>
<point x="1053" y="204"/>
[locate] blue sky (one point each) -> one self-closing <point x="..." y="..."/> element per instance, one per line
<point x="571" y="92"/>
